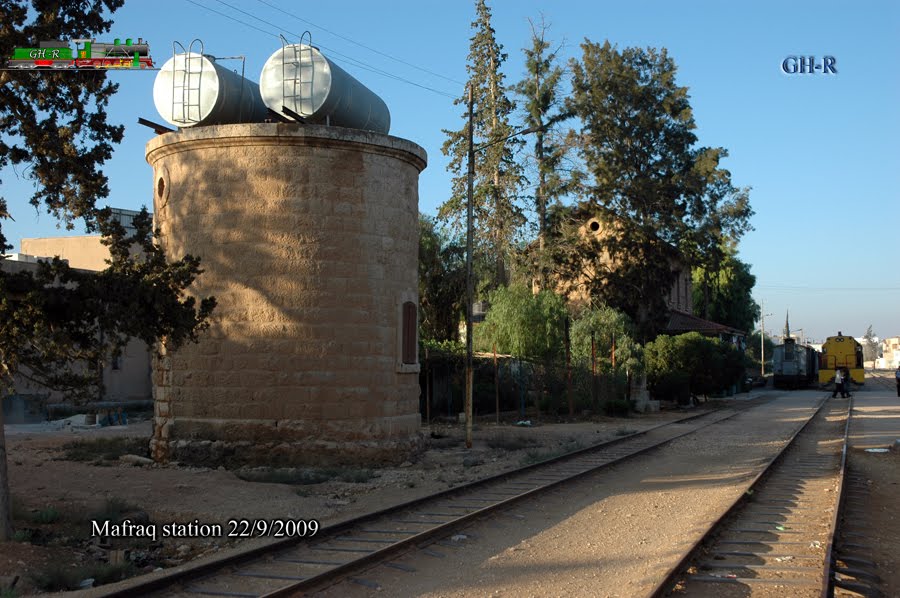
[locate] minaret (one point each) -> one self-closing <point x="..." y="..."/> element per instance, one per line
<point x="787" y="327"/>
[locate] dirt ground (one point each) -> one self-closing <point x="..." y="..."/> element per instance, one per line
<point x="56" y="498"/>
<point x="882" y="521"/>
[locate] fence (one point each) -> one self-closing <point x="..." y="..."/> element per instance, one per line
<point x="507" y="387"/>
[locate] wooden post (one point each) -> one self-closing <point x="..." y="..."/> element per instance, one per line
<point x="594" y="401"/>
<point x="613" y="359"/>
<point x="6" y="529"/>
<point x="569" y="373"/>
<point x="427" y="390"/>
<point x="496" y="386"/>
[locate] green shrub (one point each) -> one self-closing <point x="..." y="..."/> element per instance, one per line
<point x="617" y="407"/>
<point x="104" y="573"/>
<point x="23" y="535"/>
<point x="105" y="448"/>
<point x="508" y="442"/>
<point x="691" y="364"/>
<point x="56" y="578"/>
<point x="45" y="516"/>
<point x="304" y="477"/>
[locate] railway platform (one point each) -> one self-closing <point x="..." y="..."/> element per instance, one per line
<point x="876" y="416"/>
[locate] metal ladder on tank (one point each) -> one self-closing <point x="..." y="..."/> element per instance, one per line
<point x="297" y="87"/>
<point x="186" y="82"/>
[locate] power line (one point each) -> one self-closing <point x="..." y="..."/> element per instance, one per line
<point x="353" y="41"/>
<point x="332" y="52"/>
<point x="803" y="288"/>
<point x="231" y="17"/>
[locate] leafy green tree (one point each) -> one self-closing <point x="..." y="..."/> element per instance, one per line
<point x="544" y="111"/>
<point x="711" y="246"/>
<point x="870" y="346"/>
<point x="524" y="324"/>
<point x="753" y="347"/>
<point x="56" y="322"/>
<point x="442" y="282"/>
<point x="497" y="174"/>
<point x="55" y="123"/>
<point x="686" y="365"/>
<point x="656" y="198"/>
<point x="726" y="296"/>
<point x="618" y="356"/>
<point x="607" y="326"/>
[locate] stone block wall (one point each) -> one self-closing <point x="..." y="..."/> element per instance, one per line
<point x="308" y="238"/>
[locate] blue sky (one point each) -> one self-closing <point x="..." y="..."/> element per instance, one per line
<point x="819" y="151"/>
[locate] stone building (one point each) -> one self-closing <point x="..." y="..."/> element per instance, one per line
<point x="85" y="252"/>
<point x="680" y="296"/>
<point x="679" y="300"/>
<point x="308" y="237"/>
<point x="125" y="379"/>
<point x="890" y="353"/>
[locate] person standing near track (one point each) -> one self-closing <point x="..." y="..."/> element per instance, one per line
<point x="838" y="383"/>
<point x="897" y="376"/>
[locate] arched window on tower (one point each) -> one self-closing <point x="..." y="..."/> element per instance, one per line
<point x="410" y="333"/>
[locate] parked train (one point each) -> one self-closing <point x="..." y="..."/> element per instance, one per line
<point x="88" y="54"/>
<point x="841" y="352"/>
<point x="795" y="365"/>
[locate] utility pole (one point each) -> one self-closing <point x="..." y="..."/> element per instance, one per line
<point x="470" y="282"/>
<point x="762" y="340"/>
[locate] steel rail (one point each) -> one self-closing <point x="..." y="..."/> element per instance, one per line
<point x="828" y="582"/>
<point x="193" y="572"/>
<point x="665" y="586"/>
<point x="340" y="572"/>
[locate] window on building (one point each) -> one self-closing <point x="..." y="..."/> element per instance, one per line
<point x="410" y="333"/>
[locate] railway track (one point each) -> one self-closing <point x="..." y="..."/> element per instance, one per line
<point x="335" y="553"/>
<point x="777" y="540"/>
<point x="881" y="380"/>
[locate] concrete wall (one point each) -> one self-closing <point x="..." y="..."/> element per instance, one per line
<point x="308" y="237"/>
<point x="87" y="252"/>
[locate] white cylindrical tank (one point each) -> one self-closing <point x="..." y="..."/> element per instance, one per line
<point x="192" y="90"/>
<point x="299" y="77"/>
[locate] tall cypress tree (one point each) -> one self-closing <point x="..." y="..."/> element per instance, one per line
<point x="544" y="107"/>
<point x="497" y="175"/>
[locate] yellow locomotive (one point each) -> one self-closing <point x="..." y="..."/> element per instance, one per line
<point x="841" y="352"/>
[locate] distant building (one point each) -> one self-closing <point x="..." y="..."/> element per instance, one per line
<point x="125" y="378"/>
<point x="681" y="323"/>
<point x="679" y="300"/>
<point x="890" y="350"/>
<point x="84" y="252"/>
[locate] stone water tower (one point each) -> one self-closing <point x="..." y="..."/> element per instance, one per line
<point x="308" y="237"/>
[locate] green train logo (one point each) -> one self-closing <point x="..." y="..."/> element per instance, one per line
<point x="88" y="54"/>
